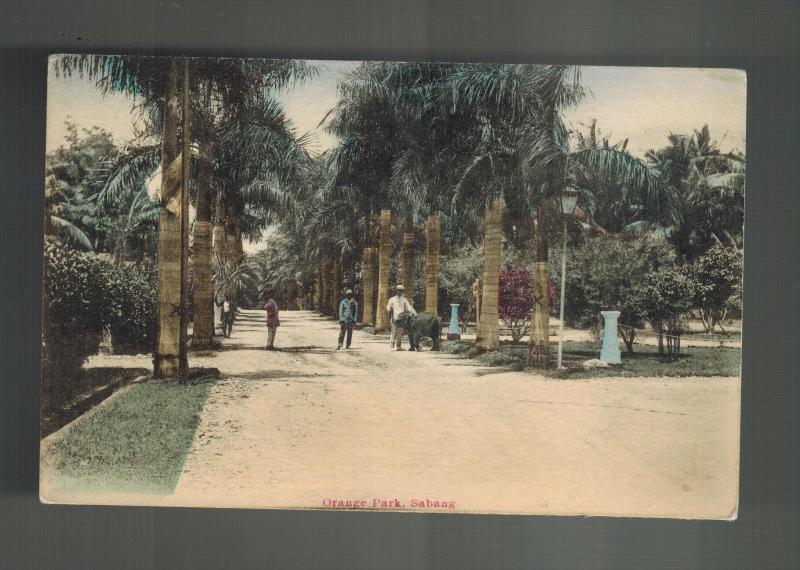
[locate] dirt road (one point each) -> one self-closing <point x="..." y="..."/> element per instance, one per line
<point x="311" y="426"/>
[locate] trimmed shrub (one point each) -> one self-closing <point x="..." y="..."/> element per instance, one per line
<point x="131" y="307"/>
<point x="84" y="294"/>
<point x="73" y="312"/>
<point x="515" y="300"/>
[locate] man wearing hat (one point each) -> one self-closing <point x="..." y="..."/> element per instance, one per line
<point x="348" y="316"/>
<point x="398" y="305"/>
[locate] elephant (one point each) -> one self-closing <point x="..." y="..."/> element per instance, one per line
<point x="421" y="325"/>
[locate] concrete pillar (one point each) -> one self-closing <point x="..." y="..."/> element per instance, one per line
<point x="610" y="349"/>
<point x="454" y="331"/>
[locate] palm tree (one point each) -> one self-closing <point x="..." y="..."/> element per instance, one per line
<point x="487" y="337"/>
<point x="170" y="359"/>
<point x="704" y="194"/>
<point x="155" y="80"/>
<point x="336" y="285"/>
<point x="372" y="133"/>
<point x="232" y="93"/>
<point x="55" y="204"/>
<point x="407" y="259"/>
<point x="382" y="318"/>
<point x="433" y="242"/>
<point x="368" y="277"/>
<point x="501" y="149"/>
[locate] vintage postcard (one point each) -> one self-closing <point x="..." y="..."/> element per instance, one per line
<point x="404" y="286"/>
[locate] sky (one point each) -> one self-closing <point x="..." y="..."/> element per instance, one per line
<point x="641" y="104"/>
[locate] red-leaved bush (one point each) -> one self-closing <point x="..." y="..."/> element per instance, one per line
<point x="515" y="300"/>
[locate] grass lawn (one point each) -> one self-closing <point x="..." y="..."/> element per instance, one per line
<point x="644" y="362"/>
<point x="136" y="443"/>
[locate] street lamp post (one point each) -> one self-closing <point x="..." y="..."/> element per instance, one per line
<point x="569" y="199"/>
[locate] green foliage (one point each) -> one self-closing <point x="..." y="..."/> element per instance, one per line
<point x="705" y="193"/>
<point x="668" y="294"/>
<point x="96" y="196"/>
<point x="83" y="295"/>
<point x="71" y="183"/>
<point x="647" y="362"/>
<point x="131" y="307"/>
<point x="73" y="319"/>
<point x="457" y="272"/>
<point x="608" y="273"/>
<point x="718" y="276"/>
<point x="136" y="443"/>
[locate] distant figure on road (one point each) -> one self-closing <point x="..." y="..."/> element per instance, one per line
<point x="396" y="307"/>
<point x="272" y="322"/>
<point x="228" y="316"/>
<point x="348" y="317"/>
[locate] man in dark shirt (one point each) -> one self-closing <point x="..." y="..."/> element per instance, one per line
<point x="348" y="316"/>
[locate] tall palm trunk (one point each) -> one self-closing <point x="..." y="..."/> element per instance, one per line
<point x="323" y="288"/>
<point x="320" y="292"/>
<point x="186" y="155"/>
<point x="219" y="227"/>
<point x="231" y="241"/>
<point x="218" y="247"/>
<point x="203" y="288"/>
<point x="381" y="317"/>
<point x="169" y="360"/>
<point x="368" y="315"/>
<point x="434" y="237"/>
<point x="489" y="338"/>
<point x="539" y="345"/>
<point x="239" y="246"/>
<point x="477" y="290"/>
<point x="374" y="222"/>
<point x="407" y="259"/>
<point x="337" y="284"/>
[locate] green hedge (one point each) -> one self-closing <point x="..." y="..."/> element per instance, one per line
<point x="83" y="294"/>
<point x="131" y="303"/>
<point x="73" y="319"/>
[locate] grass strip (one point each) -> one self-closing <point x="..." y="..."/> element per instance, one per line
<point x="138" y="442"/>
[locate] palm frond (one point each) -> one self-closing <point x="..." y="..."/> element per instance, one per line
<point x="75" y="234"/>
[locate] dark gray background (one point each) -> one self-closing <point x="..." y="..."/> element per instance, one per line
<point x="756" y="36"/>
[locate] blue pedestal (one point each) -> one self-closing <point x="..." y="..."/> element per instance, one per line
<point x="610" y="349"/>
<point x="453" y="331"/>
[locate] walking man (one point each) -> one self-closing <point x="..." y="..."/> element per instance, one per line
<point x="348" y="316"/>
<point x="397" y="306"/>
<point x="272" y="322"/>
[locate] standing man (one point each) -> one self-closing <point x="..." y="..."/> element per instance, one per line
<point x="272" y="322"/>
<point x="398" y="305"/>
<point x="348" y="316"/>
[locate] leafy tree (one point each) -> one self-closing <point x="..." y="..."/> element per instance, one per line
<point x="515" y="300"/>
<point x="668" y="294"/>
<point x="72" y="184"/>
<point x="717" y="274"/>
<point x="612" y="273"/>
<point x="458" y="272"/>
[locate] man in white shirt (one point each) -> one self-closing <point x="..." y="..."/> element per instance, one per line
<point x="397" y="305"/>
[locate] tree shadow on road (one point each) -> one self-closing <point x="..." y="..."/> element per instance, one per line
<point x="274" y="375"/>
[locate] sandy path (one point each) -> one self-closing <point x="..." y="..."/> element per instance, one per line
<point x="308" y="424"/>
